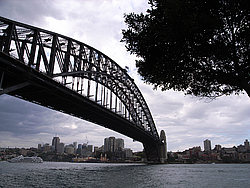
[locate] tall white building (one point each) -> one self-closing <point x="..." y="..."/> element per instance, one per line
<point x="207" y="145"/>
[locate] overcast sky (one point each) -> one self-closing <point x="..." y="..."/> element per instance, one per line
<point x="187" y="120"/>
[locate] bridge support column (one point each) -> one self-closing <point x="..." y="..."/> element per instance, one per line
<point x="156" y="153"/>
<point x="152" y="151"/>
<point x="163" y="147"/>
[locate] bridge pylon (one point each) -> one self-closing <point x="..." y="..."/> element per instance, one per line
<point x="156" y="153"/>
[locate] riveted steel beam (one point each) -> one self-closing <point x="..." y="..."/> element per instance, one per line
<point x="13" y="88"/>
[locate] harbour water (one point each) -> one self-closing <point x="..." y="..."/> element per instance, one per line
<point x="59" y="174"/>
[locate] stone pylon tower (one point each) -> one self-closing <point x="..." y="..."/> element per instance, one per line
<point x="163" y="147"/>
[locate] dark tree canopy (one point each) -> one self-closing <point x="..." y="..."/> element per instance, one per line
<point x="197" y="46"/>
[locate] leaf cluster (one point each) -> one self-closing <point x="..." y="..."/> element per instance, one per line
<point x="197" y="46"/>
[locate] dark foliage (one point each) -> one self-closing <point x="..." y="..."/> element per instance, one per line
<point x="197" y="46"/>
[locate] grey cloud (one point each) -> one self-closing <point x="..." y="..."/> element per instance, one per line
<point x="21" y="120"/>
<point x="30" y="11"/>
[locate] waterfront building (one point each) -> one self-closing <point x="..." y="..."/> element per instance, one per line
<point x="241" y="148"/>
<point x="55" y="143"/>
<point x="60" y="148"/>
<point x="244" y="157"/>
<point x="69" y="149"/>
<point x="207" y="145"/>
<point x="46" y="147"/>
<point x="229" y="153"/>
<point x="217" y="148"/>
<point x="128" y="153"/>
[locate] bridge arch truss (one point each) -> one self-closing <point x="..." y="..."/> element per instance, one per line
<point x="78" y="67"/>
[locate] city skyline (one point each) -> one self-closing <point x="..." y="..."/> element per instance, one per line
<point x="111" y="144"/>
<point x="186" y="120"/>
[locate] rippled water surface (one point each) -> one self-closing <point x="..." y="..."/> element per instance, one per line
<point x="57" y="174"/>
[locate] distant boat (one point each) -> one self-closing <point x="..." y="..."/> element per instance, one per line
<point x="22" y="159"/>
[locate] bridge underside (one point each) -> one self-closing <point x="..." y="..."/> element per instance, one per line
<point x="30" y="85"/>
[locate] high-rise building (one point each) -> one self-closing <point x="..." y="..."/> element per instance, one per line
<point x="90" y="148"/>
<point x="79" y="149"/>
<point x="39" y="147"/>
<point x="106" y="143"/>
<point x="46" y="147"/>
<point x="86" y="150"/>
<point x="109" y="144"/>
<point x="55" y="143"/>
<point x="75" y="146"/>
<point x="119" y="144"/>
<point x="207" y="145"/>
<point x="60" y="148"/>
<point x="79" y="146"/>
<point x="112" y="144"/>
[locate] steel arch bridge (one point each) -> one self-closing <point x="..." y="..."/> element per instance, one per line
<point x="66" y="75"/>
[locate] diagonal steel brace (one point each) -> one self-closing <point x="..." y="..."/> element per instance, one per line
<point x="13" y="88"/>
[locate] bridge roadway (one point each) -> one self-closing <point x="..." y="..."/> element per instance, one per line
<point x="22" y="81"/>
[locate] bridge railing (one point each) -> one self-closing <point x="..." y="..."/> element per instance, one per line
<point x="79" y="67"/>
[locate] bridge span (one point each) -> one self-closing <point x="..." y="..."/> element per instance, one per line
<point x="69" y="76"/>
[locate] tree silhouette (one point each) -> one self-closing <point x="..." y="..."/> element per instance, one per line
<point x="200" y="47"/>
